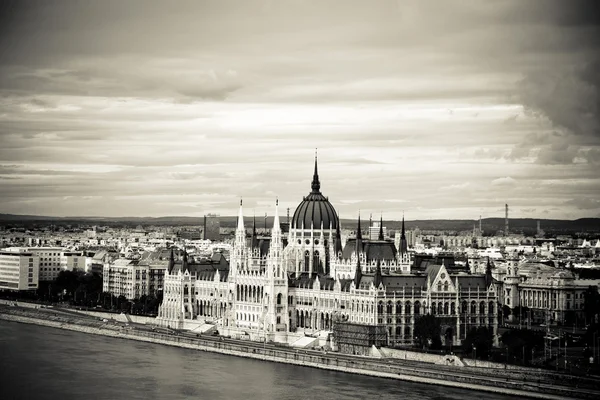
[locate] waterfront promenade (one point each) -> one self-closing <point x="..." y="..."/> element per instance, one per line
<point x="531" y="383"/>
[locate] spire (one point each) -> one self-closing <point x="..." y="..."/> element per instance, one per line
<point x="338" y="241"/>
<point x="240" y="225"/>
<point x="377" y="274"/>
<point x="316" y="185"/>
<point x="276" y="224"/>
<point x="358" y="238"/>
<point x="358" y="273"/>
<point x="403" y="230"/>
<point x="254" y="243"/>
<point x="381" y="228"/>
<point x="488" y="273"/>
<point x="171" y="261"/>
<point x="403" y="243"/>
<point x="184" y="261"/>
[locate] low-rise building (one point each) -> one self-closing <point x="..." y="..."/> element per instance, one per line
<point x="19" y="270"/>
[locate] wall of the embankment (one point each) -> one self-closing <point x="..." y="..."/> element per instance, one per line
<point x="357" y="365"/>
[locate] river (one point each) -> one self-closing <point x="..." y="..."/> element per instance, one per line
<point x="47" y="363"/>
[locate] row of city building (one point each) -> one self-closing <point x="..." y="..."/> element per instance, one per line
<point x="306" y="275"/>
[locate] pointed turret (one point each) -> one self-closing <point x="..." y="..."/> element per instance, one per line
<point x="358" y="273"/>
<point x="358" y="237"/>
<point x="316" y="185"/>
<point x="171" y="264"/>
<point x="488" y="274"/>
<point x="254" y="243"/>
<point x="338" y="241"/>
<point x="274" y="261"/>
<point x="381" y="228"/>
<point x="276" y="223"/>
<point x="403" y="243"/>
<point x="377" y="279"/>
<point x="240" y="224"/>
<point x="184" y="261"/>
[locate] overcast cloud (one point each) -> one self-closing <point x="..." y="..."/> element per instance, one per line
<point x="438" y="109"/>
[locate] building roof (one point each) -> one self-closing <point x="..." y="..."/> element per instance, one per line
<point x="375" y="250"/>
<point x="471" y="281"/>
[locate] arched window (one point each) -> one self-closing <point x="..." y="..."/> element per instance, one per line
<point x="316" y="262"/>
<point x="279" y="296"/>
<point x="407" y="308"/>
<point x="417" y="307"/>
<point x="482" y="308"/>
<point x="491" y="307"/>
<point x="446" y="311"/>
<point x="473" y="307"/>
<point x="439" y="286"/>
<point x="465" y="307"/>
<point x="433" y="308"/>
<point x="452" y="308"/>
<point x="445" y="286"/>
<point x="389" y="308"/>
<point x="398" y="307"/>
<point x="306" y="260"/>
<point x="380" y="308"/>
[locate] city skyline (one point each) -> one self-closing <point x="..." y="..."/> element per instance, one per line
<point x="435" y="110"/>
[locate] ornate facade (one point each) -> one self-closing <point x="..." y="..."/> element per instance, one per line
<point x="283" y="287"/>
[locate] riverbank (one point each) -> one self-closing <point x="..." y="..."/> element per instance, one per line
<point x="439" y="375"/>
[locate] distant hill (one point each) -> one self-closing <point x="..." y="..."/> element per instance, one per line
<point x="490" y="225"/>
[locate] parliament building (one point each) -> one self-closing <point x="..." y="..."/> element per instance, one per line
<point x="300" y="283"/>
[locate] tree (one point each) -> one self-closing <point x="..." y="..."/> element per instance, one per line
<point x="523" y="341"/>
<point x="570" y="317"/>
<point x="427" y="332"/>
<point x="481" y="339"/>
<point x="505" y="312"/>
<point x="591" y="304"/>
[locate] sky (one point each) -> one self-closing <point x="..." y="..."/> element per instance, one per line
<point x="434" y="109"/>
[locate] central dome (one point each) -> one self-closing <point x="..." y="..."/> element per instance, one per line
<point x="315" y="210"/>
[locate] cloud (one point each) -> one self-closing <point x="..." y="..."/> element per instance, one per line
<point x="158" y="111"/>
<point x="567" y="96"/>
<point x="505" y="181"/>
<point x="584" y="203"/>
<point x="457" y="186"/>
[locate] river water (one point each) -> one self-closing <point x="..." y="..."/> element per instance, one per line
<point x="47" y="363"/>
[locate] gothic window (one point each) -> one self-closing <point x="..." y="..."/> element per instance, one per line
<point x="380" y="308"/>
<point x="445" y="286"/>
<point x="407" y="308"/>
<point x="452" y="308"/>
<point x="439" y="286"/>
<point x="446" y="305"/>
<point x="389" y="308"/>
<point x="279" y="299"/>
<point x="306" y="260"/>
<point x="417" y="307"/>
